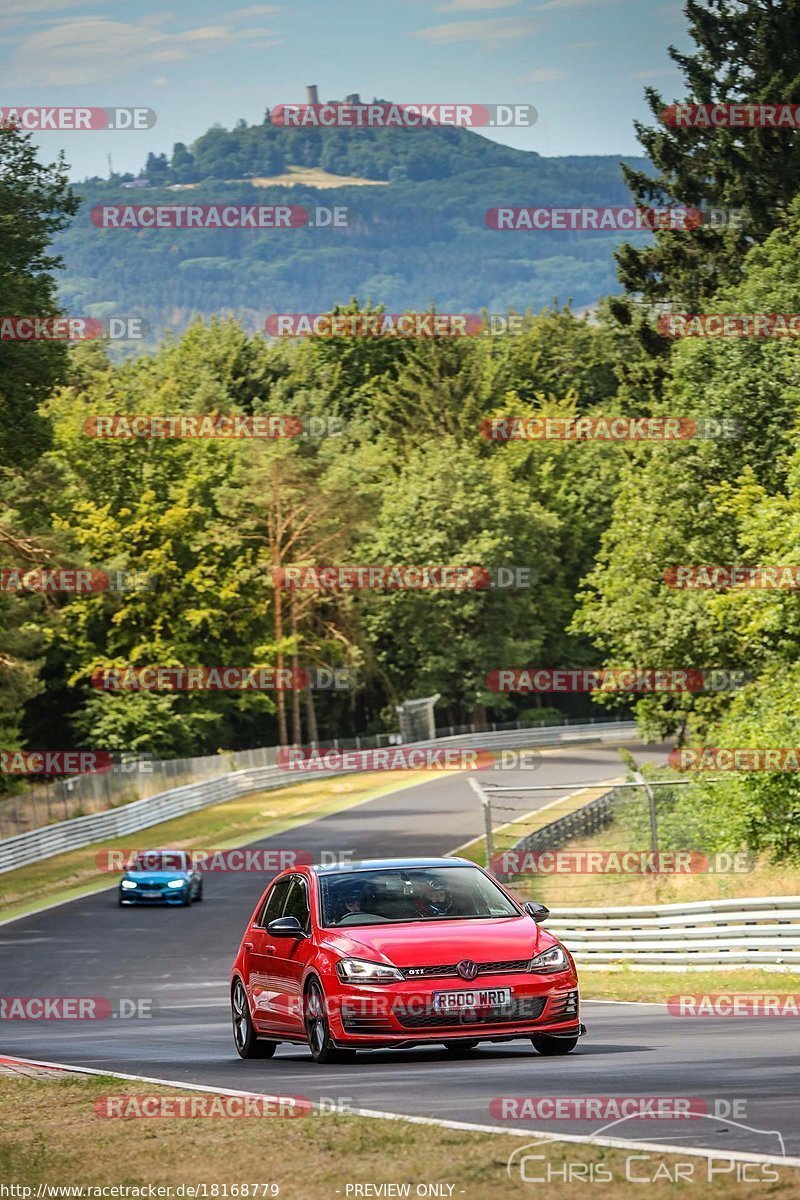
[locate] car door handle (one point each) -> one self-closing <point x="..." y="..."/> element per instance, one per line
<point x="247" y="945"/>
<point x="269" y="949"/>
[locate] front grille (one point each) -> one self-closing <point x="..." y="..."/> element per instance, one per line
<point x="514" y="965"/>
<point x="529" y="1008"/>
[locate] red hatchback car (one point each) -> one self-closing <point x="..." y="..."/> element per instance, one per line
<point x="399" y="952"/>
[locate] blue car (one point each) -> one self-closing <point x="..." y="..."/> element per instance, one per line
<point x="161" y="877"/>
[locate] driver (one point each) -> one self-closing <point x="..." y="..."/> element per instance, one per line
<point x="352" y="900"/>
<point x="435" y="897"/>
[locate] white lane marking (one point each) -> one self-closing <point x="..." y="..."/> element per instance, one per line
<point x="649" y="1003"/>
<point x="620" y="1143"/>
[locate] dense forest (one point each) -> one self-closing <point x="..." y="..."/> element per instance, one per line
<point x="404" y="474"/>
<point x="414" y="239"/>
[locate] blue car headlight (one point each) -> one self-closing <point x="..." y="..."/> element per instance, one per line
<point x="176" y="883"/>
<point x="127" y="884"/>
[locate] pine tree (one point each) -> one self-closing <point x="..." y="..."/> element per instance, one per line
<point x="35" y="203"/>
<point x="748" y="51"/>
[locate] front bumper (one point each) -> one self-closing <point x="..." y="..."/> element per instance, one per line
<point x="405" y="1014"/>
<point x="175" y="896"/>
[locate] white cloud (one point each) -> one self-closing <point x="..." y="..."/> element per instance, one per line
<point x="554" y="4"/>
<point x="255" y="10"/>
<point x="25" y="8"/>
<point x="491" y="33"/>
<point x="86" y="50"/>
<point x="544" y="75"/>
<point x="474" y="5"/>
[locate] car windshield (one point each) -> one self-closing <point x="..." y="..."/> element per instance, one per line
<point x="411" y="894"/>
<point x="159" y="860"/>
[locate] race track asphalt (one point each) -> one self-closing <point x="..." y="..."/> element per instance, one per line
<point x="741" y="1068"/>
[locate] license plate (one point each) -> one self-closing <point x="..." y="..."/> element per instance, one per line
<point x="150" y="895"/>
<point x="444" y="1002"/>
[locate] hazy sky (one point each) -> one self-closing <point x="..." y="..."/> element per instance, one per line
<point x="582" y="63"/>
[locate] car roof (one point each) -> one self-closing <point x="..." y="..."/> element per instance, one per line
<point x="389" y="864"/>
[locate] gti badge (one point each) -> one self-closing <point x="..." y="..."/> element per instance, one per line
<point x="467" y="969"/>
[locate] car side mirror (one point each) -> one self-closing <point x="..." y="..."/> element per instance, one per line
<point x="537" y="911"/>
<point x="286" y="927"/>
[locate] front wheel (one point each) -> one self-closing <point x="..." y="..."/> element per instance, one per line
<point x="549" y="1046"/>
<point x="248" y="1045"/>
<point x="318" y="1030"/>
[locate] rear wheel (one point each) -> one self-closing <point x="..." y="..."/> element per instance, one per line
<point x="551" y="1046"/>
<point x="318" y="1030"/>
<point x="248" y="1045"/>
<point x="460" y="1048"/>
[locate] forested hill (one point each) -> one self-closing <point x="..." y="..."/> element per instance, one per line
<point x="416" y="232"/>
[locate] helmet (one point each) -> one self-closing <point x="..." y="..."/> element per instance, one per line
<point x="352" y="893"/>
<point x="437" y="893"/>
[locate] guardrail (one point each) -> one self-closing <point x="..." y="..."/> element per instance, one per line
<point x="49" y="840"/>
<point x="762" y="931"/>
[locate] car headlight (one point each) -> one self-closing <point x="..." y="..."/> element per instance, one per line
<point x="177" y="883"/>
<point x="358" y="970"/>
<point x="127" y="884"/>
<point x="550" y="961"/>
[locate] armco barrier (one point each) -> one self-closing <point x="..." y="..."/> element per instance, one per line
<point x="762" y="931"/>
<point x="78" y="832"/>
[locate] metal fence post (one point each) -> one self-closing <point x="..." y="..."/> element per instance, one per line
<point x="486" y="801"/>
<point x="651" y="801"/>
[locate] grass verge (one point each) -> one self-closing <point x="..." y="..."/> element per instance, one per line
<point x="659" y="985"/>
<point x="50" y="1134"/>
